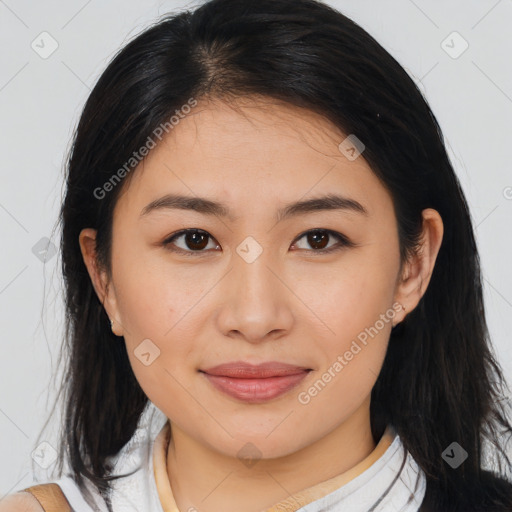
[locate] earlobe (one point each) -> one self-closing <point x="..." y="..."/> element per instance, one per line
<point x="419" y="268"/>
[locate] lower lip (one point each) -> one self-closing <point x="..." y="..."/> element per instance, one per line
<point x="256" y="390"/>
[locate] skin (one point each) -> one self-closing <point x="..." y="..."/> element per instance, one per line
<point x="20" y="502"/>
<point x="292" y="304"/>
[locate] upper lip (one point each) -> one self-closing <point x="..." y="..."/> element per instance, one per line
<point x="242" y="370"/>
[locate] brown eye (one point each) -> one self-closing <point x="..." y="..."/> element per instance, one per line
<point x="193" y="240"/>
<point x="318" y="240"/>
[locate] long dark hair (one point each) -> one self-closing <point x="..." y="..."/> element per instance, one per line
<point x="440" y="382"/>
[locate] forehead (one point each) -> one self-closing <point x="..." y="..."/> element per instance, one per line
<point x="250" y="152"/>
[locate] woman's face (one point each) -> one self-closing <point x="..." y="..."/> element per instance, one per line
<point x="252" y="285"/>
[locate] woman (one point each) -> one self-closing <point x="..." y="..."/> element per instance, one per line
<point x="263" y="236"/>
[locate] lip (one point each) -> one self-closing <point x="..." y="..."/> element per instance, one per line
<point x="255" y="383"/>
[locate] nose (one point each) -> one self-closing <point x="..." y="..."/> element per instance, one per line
<point x="257" y="303"/>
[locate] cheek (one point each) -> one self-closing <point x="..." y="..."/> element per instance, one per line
<point x="352" y="357"/>
<point x="157" y="308"/>
<point x="355" y="294"/>
<point x="355" y="304"/>
<point x="149" y="295"/>
<point x="155" y="345"/>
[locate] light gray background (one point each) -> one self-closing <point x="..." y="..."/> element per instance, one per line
<point x="40" y="100"/>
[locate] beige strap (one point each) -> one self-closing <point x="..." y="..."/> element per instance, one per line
<point x="50" y="497"/>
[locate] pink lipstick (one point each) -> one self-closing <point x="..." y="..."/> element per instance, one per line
<point x="255" y="383"/>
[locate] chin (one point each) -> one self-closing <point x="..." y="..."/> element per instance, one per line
<point x="253" y="447"/>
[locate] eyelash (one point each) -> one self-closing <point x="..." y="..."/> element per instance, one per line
<point x="343" y="241"/>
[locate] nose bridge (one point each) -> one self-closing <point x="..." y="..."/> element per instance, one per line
<point x="255" y="277"/>
<point x="256" y="303"/>
<point x="256" y="284"/>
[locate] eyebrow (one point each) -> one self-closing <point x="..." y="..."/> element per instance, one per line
<point x="209" y="207"/>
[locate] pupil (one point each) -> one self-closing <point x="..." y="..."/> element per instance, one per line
<point x="314" y="242"/>
<point x="196" y="244"/>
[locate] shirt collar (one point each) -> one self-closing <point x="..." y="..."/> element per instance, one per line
<point x="290" y="504"/>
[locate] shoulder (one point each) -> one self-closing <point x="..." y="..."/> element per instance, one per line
<point x="20" y="502"/>
<point x="36" y="498"/>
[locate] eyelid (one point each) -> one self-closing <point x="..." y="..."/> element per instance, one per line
<point x="343" y="241"/>
<point x="168" y="240"/>
<point x="341" y="238"/>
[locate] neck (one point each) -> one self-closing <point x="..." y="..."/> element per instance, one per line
<point x="204" y="479"/>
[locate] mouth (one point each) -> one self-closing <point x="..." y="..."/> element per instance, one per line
<point x="255" y="383"/>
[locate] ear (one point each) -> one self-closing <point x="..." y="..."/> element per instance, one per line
<point x="99" y="278"/>
<point x="418" y="270"/>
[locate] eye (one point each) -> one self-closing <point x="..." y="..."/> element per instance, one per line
<point x="197" y="240"/>
<point x="319" y="239"/>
